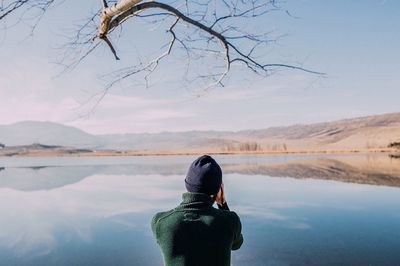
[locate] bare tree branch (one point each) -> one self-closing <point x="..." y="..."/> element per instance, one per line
<point x="201" y="29"/>
<point x="225" y="40"/>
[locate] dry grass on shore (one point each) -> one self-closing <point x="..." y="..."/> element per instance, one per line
<point x="87" y="153"/>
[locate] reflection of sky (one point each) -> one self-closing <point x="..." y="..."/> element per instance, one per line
<point x="104" y="220"/>
<point x="313" y="222"/>
<point x="31" y="223"/>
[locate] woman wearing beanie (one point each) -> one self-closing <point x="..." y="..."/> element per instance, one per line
<point x="195" y="233"/>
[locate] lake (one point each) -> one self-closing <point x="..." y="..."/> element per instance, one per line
<point x="295" y="209"/>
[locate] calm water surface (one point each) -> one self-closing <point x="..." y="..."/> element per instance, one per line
<point x="295" y="210"/>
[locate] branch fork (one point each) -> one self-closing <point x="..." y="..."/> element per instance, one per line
<point x="106" y="16"/>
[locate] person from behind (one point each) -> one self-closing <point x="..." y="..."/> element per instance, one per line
<point x="195" y="233"/>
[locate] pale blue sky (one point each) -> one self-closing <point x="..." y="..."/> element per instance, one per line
<point x="355" y="42"/>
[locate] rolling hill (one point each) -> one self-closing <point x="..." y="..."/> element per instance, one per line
<point x="362" y="133"/>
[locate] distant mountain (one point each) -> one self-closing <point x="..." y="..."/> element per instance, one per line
<point x="29" y="132"/>
<point x="376" y="131"/>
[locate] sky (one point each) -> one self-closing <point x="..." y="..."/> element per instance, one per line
<point x="355" y="42"/>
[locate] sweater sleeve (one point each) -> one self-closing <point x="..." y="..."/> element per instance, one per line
<point x="154" y="222"/>
<point x="238" y="237"/>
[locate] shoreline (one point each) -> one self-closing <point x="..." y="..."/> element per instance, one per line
<point x="60" y="153"/>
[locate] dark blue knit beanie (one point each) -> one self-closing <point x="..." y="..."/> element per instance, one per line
<point x="204" y="176"/>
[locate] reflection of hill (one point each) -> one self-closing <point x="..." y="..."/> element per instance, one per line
<point x="52" y="177"/>
<point x="42" y="178"/>
<point x="394" y="156"/>
<point x="361" y="170"/>
<point x="374" y="170"/>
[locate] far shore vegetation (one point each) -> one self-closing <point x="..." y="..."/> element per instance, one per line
<point x="41" y="150"/>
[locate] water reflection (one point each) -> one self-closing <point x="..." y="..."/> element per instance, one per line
<point x="395" y="156"/>
<point x="375" y="170"/>
<point x="99" y="214"/>
<point x="43" y="223"/>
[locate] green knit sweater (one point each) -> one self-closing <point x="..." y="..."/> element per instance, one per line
<point x="196" y="233"/>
